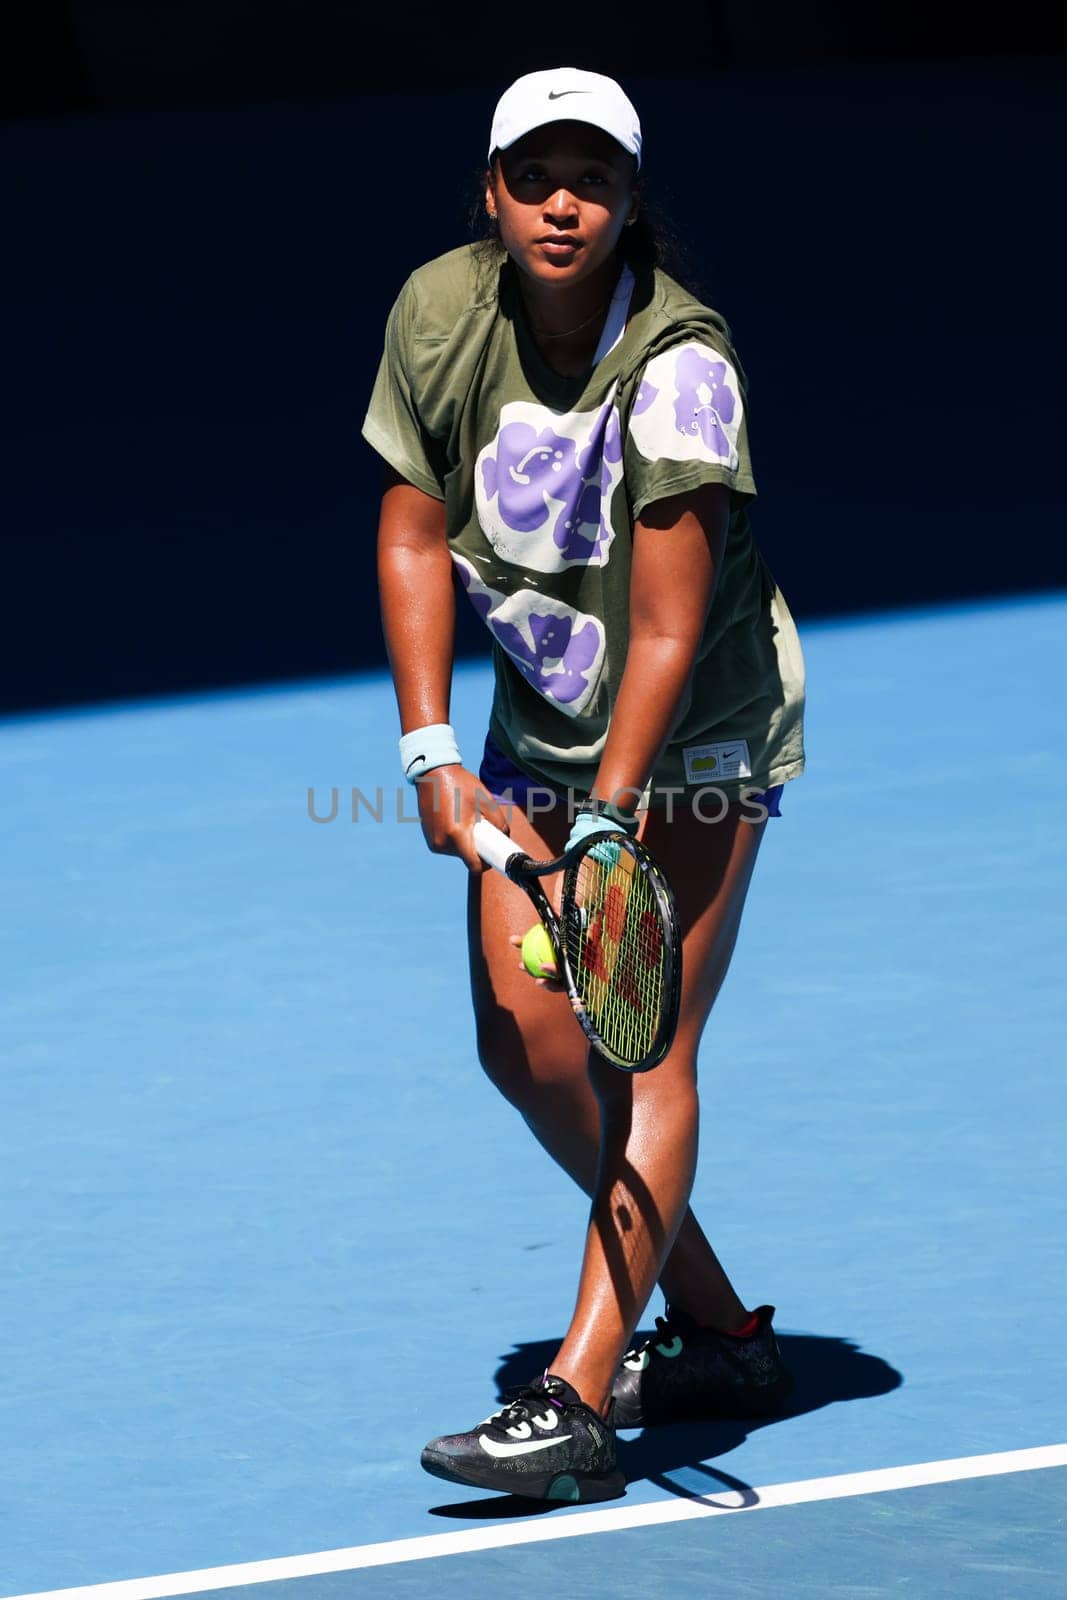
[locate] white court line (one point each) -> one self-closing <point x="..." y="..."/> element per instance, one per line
<point x="567" y="1526"/>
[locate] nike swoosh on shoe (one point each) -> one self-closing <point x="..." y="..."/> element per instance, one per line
<point x="497" y="1448"/>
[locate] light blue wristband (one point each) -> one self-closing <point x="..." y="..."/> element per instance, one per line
<point x="585" y="823"/>
<point x="423" y="749"/>
<point x="589" y="823"/>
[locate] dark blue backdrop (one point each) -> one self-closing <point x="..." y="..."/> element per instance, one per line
<point x="194" y="301"/>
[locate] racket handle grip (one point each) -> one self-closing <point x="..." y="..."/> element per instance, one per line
<point x="494" y="847"/>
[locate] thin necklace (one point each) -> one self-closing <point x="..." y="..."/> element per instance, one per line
<point x="541" y="334"/>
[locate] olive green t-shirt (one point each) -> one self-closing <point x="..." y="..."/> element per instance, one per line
<point x="543" y="476"/>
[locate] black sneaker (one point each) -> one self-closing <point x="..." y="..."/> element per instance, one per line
<point x="687" y="1373"/>
<point x="544" y="1444"/>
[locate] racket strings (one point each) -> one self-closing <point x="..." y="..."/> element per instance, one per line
<point x="615" y="948"/>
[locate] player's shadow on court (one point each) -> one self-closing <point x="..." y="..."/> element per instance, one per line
<point x="826" y="1371"/>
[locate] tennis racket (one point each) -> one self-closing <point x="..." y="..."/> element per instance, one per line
<point x="616" y="940"/>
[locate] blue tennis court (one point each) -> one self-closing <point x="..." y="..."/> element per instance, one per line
<point x="266" y="1229"/>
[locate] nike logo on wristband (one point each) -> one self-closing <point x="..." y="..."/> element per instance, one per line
<point x="413" y="762"/>
<point x="493" y="1447"/>
<point x="552" y="95"/>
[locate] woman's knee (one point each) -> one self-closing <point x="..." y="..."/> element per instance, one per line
<point x="667" y="1095"/>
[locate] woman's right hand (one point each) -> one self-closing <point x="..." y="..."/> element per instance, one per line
<point x="451" y="801"/>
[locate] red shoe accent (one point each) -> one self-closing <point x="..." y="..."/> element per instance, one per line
<point x="746" y="1332"/>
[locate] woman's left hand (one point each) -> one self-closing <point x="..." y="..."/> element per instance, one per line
<point x="552" y="982"/>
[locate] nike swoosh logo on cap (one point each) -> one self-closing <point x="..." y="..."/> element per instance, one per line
<point x="493" y="1447"/>
<point x="552" y="95"/>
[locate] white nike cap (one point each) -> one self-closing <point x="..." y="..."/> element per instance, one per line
<point x="565" y="94"/>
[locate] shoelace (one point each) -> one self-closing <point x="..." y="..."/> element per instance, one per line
<point x="523" y="1401"/>
<point x="665" y="1333"/>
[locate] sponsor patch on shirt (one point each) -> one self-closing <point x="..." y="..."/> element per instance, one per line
<point x="706" y="763"/>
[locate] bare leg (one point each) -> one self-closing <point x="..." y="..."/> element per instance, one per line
<point x="630" y="1142"/>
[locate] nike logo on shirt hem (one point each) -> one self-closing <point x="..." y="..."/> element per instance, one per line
<point x="493" y="1447"/>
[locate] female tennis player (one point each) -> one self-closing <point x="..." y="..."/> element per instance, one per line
<point x="564" y="432"/>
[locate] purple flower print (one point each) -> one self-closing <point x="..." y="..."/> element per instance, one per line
<point x="581" y="530"/>
<point x="644" y="398"/>
<point x="558" y="650"/>
<point x="480" y="597"/>
<point x="526" y="467"/>
<point x="558" y="662"/>
<point x="695" y="414"/>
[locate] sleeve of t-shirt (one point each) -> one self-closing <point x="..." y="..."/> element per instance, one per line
<point x="687" y="426"/>
<point x="393" y="425"/>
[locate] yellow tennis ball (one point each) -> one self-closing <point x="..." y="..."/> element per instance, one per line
<point x="537" y="951"/>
